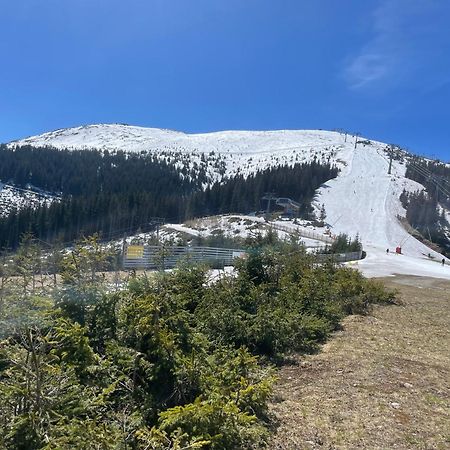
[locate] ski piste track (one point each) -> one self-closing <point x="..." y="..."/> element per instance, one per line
<point x="364" y="200"/>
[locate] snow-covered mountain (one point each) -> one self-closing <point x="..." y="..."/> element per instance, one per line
<point x="221" y="153"/>
<point x="362" y="200"/>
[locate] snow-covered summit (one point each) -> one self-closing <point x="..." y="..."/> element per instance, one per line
<point x="101" y="136"/>
<point x="219" y="153"/>
<point x="134" y="138"/>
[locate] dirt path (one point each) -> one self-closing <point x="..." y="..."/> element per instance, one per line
<point x="381" y="383"/>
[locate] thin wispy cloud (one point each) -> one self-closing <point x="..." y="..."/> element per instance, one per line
<point x="403" y="40"/>
<point x="367" y="68"/>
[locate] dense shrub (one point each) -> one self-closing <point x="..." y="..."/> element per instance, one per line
<point x="173" y="361"/>
<point x="279" y="303"/>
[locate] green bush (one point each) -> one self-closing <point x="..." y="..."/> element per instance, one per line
<point x="173" y="361"/>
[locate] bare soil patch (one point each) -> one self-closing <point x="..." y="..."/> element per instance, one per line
<point x="382" y="382"/>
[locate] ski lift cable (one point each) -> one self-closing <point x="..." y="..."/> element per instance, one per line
<point x="426" y="173"/>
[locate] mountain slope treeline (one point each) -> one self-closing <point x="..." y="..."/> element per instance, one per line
<point x="242" y="195"/>
<point x="117" y="192"/>
<point x="82" y="172"/>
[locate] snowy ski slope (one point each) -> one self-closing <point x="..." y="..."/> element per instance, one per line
<point x="362" y="200"/>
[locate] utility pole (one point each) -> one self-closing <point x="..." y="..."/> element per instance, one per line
<point x="157" y="222"/>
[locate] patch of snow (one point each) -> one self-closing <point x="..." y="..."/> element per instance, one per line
<point x="14" y="198"/>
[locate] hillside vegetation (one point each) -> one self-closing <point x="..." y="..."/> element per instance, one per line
<point x="169" y="362"/>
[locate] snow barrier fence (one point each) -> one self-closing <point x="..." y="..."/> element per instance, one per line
<point x="162" y="257"/>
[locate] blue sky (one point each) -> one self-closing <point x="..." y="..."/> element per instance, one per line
<point x="379" y="67"/>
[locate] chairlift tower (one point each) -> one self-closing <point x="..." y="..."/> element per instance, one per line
<point x="269" y="196"/>
<point x="357" y="135"/>
<point x="391" y="156"/>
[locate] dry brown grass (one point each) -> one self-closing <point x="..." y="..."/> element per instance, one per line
<point x="383" y="382"/>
